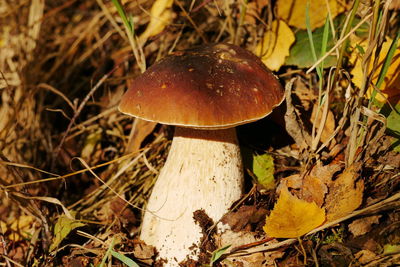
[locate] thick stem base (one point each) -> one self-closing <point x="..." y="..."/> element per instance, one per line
<point x="203" y="171"/>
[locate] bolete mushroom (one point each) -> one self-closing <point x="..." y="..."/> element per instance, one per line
<point x="205" y="91"/>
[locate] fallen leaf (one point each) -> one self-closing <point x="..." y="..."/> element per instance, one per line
<point x="293" y="217"/>
<point x="364" y="256"/>
<point x="254" y="10"/>
<point x="393" y="125"/>
<point x="121" y="210"/>
<point x="258" y="259"/>
<point x="306" y="96"/>
<point x="90" y="144"/>
<point x="274" y="47"/>
<point x="62" y="228"/>
<point x="263" y="169"/>
<point x="236" y="239"/>
<point x="294" y="181"/>
<point x="391" y="249"/>
<point x="79" y="261"/>
<point x="364" y="225"/>
<point x="160" y="16"/>
<point x="243" y="218"/>
<point x="390" y="88"/>
<point x="294" y="12"/>
<point x="311" y="187"/>
<point x="345" y="194"/>
<point x="140" y="131"/>
<point x="19" y="229"/>
<point x="394" y="5"/>
<point x="332" y="253"/>
<point x="329" y="126"/>
<point x="300" y="54"/>
<point x="314" y="190"/>
<point x="143" y="252"/>
<point x="16" y="252"/>
<point x="325" y="172"/>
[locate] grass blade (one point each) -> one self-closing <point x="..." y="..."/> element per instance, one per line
<point x="217" y="254"/>
<point x="385" y="66"/>
<point x="310" y="37"/>
<point x="122" y="14"/>
<point x="127" y="261"/>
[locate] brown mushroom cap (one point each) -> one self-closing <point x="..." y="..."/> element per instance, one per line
<point x="212" y="86"/>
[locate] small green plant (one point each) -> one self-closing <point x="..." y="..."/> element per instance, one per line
<point x="110" y="251"/>
<point x="217" y="254"/>
<point x="130" y="31"/>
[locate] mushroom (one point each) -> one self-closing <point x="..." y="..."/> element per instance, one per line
<point x="205" y="92"/>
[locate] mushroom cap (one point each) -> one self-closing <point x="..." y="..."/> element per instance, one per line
<point x="213" y="86"/>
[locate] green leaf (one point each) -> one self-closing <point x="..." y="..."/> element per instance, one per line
<point x="391" y="249"/>
<point x="311" y="39"/>
<point x="386" y="65"/>
<point x="216" y="255"/>
<point x="63" y="227"/>
<point x="300" y="54"/>
<point x="301" y="51"/>
<point x="127" y="261"/>
<point x="393" y="126"/>
<point x="360" y="49"/>
<point x="263" y="169"/>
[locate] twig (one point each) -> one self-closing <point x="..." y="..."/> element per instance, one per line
<point x="338" y="44"/>
<point x="36" y="181"/>
<point x="247" y="246"/>
<point x="4" y="244"/>
<point x="324" y="117"/>
<point x="8" y="259"/>
<point x="78" y="112"/>
<point x="186" y="14"/>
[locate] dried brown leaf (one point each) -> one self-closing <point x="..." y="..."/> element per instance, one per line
<point x="364" y="225"/>
<point x="313" y="186"/>
<point x="293" y="123"/>
<point x="243" y="217"/>
<point x="365" y="256"/>
<point x="236" y="239"/>
<point x="141" y="129"/>
<point x="143" y="252"/>
<point x="329" y="126"/>
<point x="314" y="190"/>
<point x="345" y="193"/>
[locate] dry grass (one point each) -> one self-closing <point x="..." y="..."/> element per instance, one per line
<point x="63" y="144"/>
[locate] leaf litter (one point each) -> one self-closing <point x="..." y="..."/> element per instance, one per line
<point x="64" y="66"/>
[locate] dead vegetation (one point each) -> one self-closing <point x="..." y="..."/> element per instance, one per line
<point x="75" y="172"/>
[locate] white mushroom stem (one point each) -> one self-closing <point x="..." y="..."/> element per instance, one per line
<point x="203" y="171"/>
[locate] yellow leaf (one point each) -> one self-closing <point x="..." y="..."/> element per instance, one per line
<point x="390" y="87"/>
<point x="294" y="12"/>
<point x="20" y="228"/>
<point x="90" y="144"/>
<point x="160" y="16"/>
<point x="345" y="194"/>
<point x="293" y="217"/>
<point x="3" y="227"/>
<point x="62" y="228"/>
<point x="275" y="45"/>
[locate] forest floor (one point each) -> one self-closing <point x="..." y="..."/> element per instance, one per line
<point x="322" y="171"/>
